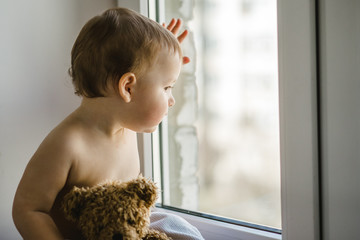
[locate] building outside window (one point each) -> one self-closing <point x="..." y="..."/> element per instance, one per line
<point x="218" y="151"/>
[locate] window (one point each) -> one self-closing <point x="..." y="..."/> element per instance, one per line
<point x="220" y="142"/>
<point x="298" y="129"/>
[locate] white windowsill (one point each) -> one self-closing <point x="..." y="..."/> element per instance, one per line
<point x="215" y="230"/>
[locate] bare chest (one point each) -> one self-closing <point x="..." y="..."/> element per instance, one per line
<point x="103" y="161"/>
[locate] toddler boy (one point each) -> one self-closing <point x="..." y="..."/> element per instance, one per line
<point x="123" y="65"/>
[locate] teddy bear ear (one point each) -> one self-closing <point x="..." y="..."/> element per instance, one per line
<point x="145" y="189"/>
<point x="73" y="204"/>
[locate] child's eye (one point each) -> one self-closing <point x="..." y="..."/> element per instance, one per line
<point x="168" y="87"/>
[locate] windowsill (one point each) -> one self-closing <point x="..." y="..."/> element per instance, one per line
<point x="214" y="230"/>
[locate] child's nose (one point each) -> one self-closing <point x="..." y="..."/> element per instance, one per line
<point x="171" y="101"/>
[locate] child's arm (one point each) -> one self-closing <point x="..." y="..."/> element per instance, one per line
<point x="44" y="177"/>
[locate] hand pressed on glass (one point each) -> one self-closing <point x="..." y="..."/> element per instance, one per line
<point x="174" y="27"/>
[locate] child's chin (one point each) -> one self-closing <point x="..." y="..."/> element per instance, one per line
<point x="150" y="130"/>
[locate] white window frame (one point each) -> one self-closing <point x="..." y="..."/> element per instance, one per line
<point x="298" y="130"/>
<point x="299" y="140"/>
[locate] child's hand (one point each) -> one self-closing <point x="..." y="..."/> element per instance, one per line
<point x="174" y="27"/>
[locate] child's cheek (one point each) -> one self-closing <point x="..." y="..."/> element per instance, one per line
<point x="156" y="110"/>
<point x="158" y="114"/>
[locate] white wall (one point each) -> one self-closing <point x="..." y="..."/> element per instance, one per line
<point x="35" y="91"/>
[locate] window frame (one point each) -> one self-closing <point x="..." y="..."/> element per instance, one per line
<point x="299" y="140"/>
<point x="299" y="106"/>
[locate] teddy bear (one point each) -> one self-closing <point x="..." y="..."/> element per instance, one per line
<point x="114" y="210"/>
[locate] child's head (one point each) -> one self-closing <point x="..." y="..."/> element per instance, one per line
<point x="112" y="44"/>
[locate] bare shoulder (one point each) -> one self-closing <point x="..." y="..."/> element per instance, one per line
<point x="48" y="169"/>
<point x="63" y="139"/>
<point x="59" y="148"/>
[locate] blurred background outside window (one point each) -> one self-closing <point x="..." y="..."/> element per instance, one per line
<point x="222" y="136"/>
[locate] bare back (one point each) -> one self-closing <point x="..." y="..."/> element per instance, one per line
<point x="74" y="154"/>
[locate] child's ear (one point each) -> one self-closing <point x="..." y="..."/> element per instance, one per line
<point x="126" y="86"/>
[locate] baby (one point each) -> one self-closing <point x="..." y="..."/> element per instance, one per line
<point x="123" y="65"/>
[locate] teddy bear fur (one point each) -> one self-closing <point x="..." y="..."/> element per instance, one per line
<point x="114" y="210"/>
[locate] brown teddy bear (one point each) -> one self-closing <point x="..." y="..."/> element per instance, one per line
<point x="114" y="210"/>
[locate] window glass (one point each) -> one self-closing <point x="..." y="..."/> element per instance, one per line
<point x="220" y="144"/>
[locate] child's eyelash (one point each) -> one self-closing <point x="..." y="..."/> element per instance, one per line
<point x="169" y="87"/>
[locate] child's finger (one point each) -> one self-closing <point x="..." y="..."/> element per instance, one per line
<point x="177" y="26"/>
<point x="186" y="60"/>
<point x="182" y="36"/>
<point x="171" y="25"/>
